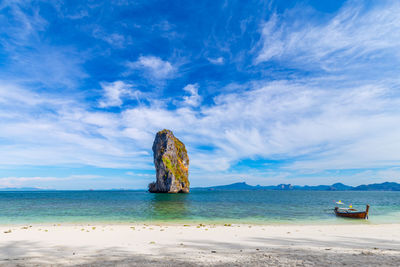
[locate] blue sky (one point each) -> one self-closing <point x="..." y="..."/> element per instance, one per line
<point x="268" y="92"/>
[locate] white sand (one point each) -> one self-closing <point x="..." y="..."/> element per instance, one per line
<point x="178" y="245"/>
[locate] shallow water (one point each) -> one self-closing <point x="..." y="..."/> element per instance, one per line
<point x="259" y="207"/>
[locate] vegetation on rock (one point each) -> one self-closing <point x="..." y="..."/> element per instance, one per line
<point x="172" y="164"/>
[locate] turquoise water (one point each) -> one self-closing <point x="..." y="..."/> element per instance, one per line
<point x="260" y="207"/>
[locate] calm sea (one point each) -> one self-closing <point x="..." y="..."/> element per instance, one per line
<point x="260" y="207"/>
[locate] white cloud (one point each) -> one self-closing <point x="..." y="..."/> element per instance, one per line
<point x="315" y="125"/>
<point x="114" y="92"/>
<point x="216" y="61"/>
<point x="7" y="182"/>
<point x="47" y="129"/>
<point x="154" y="67"/>
<point x="353" y="38"/>
<point x="33" y="59"/>
<point x="351" y="119"/>
<point x="26" y="25"/>
<point x="283" y="120"/>
<point x="194" y="99"/>
<point x="322" y="128"/>
<point x="115" y="39"/>
<point x="79" y="14"/>
<point x="140" y="174"/>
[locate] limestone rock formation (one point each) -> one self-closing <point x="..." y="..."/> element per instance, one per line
<point x="172" y="164"/>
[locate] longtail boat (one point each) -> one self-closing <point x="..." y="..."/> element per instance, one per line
<point x="352" y="213"/>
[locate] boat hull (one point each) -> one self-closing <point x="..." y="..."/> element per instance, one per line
<point x="352" y="214"/>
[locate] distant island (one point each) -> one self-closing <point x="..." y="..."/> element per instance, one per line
<point x="387" y="186"/>
<point x="21" y="189"/>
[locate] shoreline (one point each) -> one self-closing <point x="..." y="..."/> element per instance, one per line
<point x="156" y="244"/>
<point x="189" y="225"/>
<point x="331" y="222"/>
<point x="153" y="223"/>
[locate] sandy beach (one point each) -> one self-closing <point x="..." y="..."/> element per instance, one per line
<point x="199" y="245"/>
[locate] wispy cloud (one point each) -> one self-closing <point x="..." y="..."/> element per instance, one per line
<point x="216" y="61"/>
<point x="153" y="67"/>
<point x="30" y="58"/>
<point x="115" y="91"/>
<point x="194" y="99"/>
<point x="282" y="120"/>
<point x="317" y="128"/>
<point x="42" y="129"/>
<point x="353" y="38"/>
<point x="115" y="39"/>
<point x="7" y="182"/>
<point x="318" y="98"/>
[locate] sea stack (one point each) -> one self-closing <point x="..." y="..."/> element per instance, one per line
<point x="172" y="164"/>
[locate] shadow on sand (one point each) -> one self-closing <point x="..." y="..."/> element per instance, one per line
<point x="264" y="252"/>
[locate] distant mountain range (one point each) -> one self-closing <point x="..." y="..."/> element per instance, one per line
<point x="21" y="189"/>
<point x="387" y="186"/>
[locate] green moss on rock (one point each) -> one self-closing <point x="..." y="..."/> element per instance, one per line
<point x="172" y="163"/>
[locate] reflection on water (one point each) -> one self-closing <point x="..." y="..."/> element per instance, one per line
<point x="168" y="206"/>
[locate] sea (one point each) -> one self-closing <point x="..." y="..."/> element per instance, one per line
<point x="212" y="207"/>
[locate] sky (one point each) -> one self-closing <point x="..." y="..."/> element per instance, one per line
<point x="267" y="92"/>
